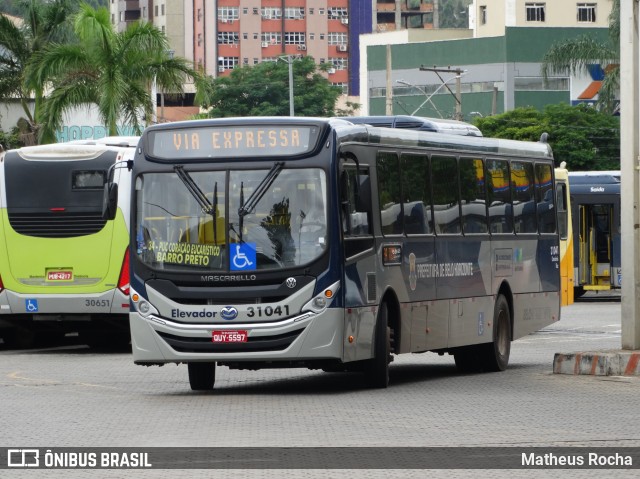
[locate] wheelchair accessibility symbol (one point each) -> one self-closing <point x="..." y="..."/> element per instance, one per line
<point x="243" y="256"/>
<point x="31" y="305"/>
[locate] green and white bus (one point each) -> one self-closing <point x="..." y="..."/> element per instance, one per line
<point x="63" y="268"/>
<point x="302" y="242"/>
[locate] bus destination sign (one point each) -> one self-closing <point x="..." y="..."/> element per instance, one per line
<point x="232" y="141"/>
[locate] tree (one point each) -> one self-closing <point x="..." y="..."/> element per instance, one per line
<point x="584" y="137"/>
<point x="263" y="90"/>
<point x="43" y="22"/>
<point x="111" y="70"/>
<point x="575" y="55"/>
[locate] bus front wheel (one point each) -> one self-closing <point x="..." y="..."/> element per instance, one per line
<point x="202" y="376"/>
<point x="377" y="369"/>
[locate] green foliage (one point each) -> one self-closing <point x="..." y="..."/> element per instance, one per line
<point x="44" y="21"/>
<point x="263" y="90"/>
<point x="584" y="137"/>
<point x="111" y="70"/>
<point x="9" y="140"/>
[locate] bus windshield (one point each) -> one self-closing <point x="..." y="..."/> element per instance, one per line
<point x="231" y="220"/>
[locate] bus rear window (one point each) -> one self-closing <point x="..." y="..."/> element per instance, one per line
<point x="87" y="180"/>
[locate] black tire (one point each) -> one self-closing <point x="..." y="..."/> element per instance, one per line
<point x="376" y="371"/>
<point x="202" y="376"/>
<point x="495" y="355"/>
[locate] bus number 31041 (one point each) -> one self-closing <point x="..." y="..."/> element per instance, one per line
<point x="267" y="311"/>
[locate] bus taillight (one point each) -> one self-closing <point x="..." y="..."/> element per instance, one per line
<point x="123" y="281"/>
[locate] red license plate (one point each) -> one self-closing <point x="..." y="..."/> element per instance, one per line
<point x="229" y="336"/>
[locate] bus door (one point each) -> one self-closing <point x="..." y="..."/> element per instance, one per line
<point x="595" y="266"/>
<point x="360" y="284"/>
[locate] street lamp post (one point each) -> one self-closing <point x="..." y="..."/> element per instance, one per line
<point x="289" y="60"/>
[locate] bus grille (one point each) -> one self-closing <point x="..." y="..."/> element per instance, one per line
<point x="185" y="344"/>
<point x="56" y="225"/>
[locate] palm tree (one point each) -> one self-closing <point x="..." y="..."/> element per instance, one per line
<point x="111" y="70"/>
<point x="576" y="54"/>
<point x="43" y="22"/>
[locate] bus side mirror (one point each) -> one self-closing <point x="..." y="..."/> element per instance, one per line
<point x="109" y="201"/>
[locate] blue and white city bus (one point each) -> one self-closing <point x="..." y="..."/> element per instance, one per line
<point x="305" y="242"/>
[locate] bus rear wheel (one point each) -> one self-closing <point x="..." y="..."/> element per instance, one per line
<point x="376" y="371"/>
<point x="202" y="376"/>
<point x="495" y="355"/>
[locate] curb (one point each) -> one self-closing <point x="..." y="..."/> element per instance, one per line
<point x="598" y="363"/>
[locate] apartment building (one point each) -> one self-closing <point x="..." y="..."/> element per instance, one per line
<point x="221" y="35"/>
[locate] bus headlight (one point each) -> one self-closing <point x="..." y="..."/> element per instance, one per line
<point x="322" y="300"/>
<point x="141" y="305"/>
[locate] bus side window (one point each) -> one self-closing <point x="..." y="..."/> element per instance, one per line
<point x="524" y="208"/>
<point x="388" y="173"/>
<point x="446" y="197"/>
<point x="499" y="197"/>
<point x="473" y="196"/>
<point x="561" y="202"/>
<point x="416" y="194"/>
<point x="544" y="197"/>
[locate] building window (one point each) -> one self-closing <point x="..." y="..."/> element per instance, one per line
<point x="271" y="38"/>
<point x="337" y="13"/>
<point x="224" y="38"/>
<point x="294" y="38"/>
<point x="339" y="63"/>
<point x="162" y="9"/>
<point x="245" y="11"/>
<point x="227" y="14"/>
<point x="312" y="36"/>
<point x="587" y="12"/>
<point x="245" y="36"/>
<point x="535" y="12"/>
<point x="338" y="38"/>
<point x="155" y="10"/>
<point x="311" y="11"/>
<point x="245" y="61"/>
<point x="322" y="36"/>
<point x="255" y="61"/>
<point x="271" y="13"/>
<point x="227" y="63"/>
<point x="483" y="14"/>
<point x="294" y="13"/>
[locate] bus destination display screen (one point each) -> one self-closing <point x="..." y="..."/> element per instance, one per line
<point x="232" y="141"/>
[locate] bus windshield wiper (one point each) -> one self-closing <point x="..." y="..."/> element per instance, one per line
<point x="261" y="189"/>
<point x="195" y="190"/>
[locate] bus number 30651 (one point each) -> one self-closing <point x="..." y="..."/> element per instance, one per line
<point x="267" y="311"/>
<point x="100" y="303"/>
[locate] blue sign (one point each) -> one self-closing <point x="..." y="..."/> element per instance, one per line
<point x="31" y="305"/>
<point x="243" y="257"/>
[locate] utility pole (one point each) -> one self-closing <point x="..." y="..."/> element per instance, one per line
<point x="458" y="94"/>
<point x="389" y="93"/>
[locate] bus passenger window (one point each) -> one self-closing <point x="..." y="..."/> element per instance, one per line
<point x="416" y="194"/>
<point x="473" y="196"/>
<point x="524" y="207"/>
<point x="446" y="212"/>
<point x="544" y="197"/>
<point x="389" y="193"/>
<point x="499" y="197"/>
<point x="561" y="202"/>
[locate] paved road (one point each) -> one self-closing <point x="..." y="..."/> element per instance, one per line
<point x="75" y="397"/>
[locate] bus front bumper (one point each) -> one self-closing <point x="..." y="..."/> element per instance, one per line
<point x="307" y="336"/>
